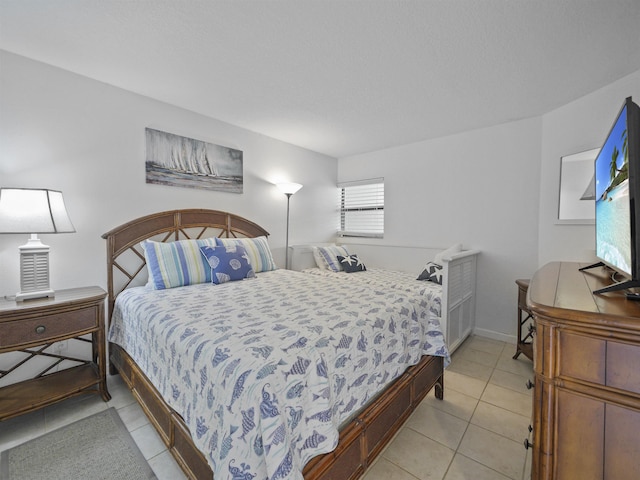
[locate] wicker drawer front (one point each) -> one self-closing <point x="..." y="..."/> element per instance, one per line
<point x="38" y="330"/>
<point x="580" y="357"/>
<point x="188" y="454"/>
<point x="151" y="402"/>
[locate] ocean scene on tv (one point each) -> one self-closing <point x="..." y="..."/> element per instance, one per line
<point x="613" y="225"/>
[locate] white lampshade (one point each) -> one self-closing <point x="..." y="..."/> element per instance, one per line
<point x="31" y="210"/>
<point x="289" y="188"/>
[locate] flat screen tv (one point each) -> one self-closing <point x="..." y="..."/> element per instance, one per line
<point x="617" y="200"/>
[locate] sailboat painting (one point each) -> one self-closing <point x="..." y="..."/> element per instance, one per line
<point x="185" y="162"/>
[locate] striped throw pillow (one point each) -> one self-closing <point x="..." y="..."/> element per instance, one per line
<point x="329" y="256"/>
<point x="176" y="264"/>
<point x="257" y="249"/>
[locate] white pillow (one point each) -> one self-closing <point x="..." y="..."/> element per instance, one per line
<point x="318" y="258"/>
<point x="453" y="249"/>
<point x="327" y="257"/>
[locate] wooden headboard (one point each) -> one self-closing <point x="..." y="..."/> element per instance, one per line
<point x="125" y="258"/>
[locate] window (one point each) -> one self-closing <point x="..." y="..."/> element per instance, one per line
<point x="362" y="208"/>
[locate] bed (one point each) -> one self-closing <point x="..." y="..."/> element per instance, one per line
<point x="366" y="422"/>
<point x="453" y="301"/>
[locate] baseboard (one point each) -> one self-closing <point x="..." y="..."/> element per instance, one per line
<point x="483" y="332"/>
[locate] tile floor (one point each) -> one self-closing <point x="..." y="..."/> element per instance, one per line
<point x="476" y="432"/>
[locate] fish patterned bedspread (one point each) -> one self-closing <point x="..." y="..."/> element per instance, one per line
<point x="380" y="278"/>
<point x="264" y="371"/>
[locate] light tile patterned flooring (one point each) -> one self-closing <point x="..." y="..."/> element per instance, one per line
<point x="476" y="432"/>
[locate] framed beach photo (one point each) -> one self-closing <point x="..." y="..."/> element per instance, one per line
<point x="186" y="162"/>
<point x="576" y="202"/>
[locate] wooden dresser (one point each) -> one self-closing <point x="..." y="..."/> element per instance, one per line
<point x="586" y="407"/>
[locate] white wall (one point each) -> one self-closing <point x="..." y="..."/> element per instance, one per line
<point x="575" y="127"/>
<point x="497" y="190"/>
<point x="480" y="188"/>
<point x="66" y="132"/>
<point x="494" y="189"/>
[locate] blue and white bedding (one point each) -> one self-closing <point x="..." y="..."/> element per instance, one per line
<point x="264" y="371"/>
<point x="378" y="278"/>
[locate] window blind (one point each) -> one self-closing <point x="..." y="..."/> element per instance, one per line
<point x="362" y="208"/>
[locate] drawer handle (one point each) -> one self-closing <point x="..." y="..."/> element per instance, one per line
<point x="529" y="384"/>
<point x="527" y="444"/>
<point x="530" y="428"/>
<point x="40" y="329"/>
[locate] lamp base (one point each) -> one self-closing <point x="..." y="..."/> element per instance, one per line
<point x="22" y="296"/>
<point x="34" y="270"/>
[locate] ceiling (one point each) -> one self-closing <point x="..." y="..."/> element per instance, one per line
<point x="335" y="76"/>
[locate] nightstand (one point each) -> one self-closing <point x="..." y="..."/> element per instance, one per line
<point x="525" y="342"/>
<point x="32" y="327"/>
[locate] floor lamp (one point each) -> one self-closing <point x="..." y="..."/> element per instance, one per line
<point x="288" y="189"/>
<point x="33" y="211"/>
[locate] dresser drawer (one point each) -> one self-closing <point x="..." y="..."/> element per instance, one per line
<point x="623" y="361"/>
<point x="582" y="357"/>
<point x="603" y="362"/>
<point x="38" y="330"/>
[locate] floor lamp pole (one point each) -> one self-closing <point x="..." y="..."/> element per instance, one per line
<point x="286" y="251"/>
<point x="288" y="189"/>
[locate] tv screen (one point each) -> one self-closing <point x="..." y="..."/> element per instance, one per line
<point x="613" y="228"/>
<point x="617" y="189"/>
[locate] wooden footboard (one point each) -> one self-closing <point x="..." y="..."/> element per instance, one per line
<point x="361" y="441"/>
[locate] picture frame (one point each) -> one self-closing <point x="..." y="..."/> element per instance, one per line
<point x="576" y="199"/>
<point x="179" y="161"/>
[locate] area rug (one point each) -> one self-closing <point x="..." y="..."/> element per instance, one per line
<point x="96" y="447"/>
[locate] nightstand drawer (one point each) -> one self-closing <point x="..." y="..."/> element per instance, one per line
<point x="38" y="330"/>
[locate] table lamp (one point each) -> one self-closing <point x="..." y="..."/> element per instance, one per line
<point x="33" y="211"/>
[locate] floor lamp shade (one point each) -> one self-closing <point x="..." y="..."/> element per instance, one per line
<point x="288" y="189"/>
<point x="33" y="211"/>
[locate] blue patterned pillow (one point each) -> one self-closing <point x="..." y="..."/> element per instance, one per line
<point x="176" y="264"/>
<point x="258" y="250"/>
<point x="228" y="263"/>
<point x="351" y="263"/>
<point x="330" y="256"/>
<point x="432" y="273"/>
